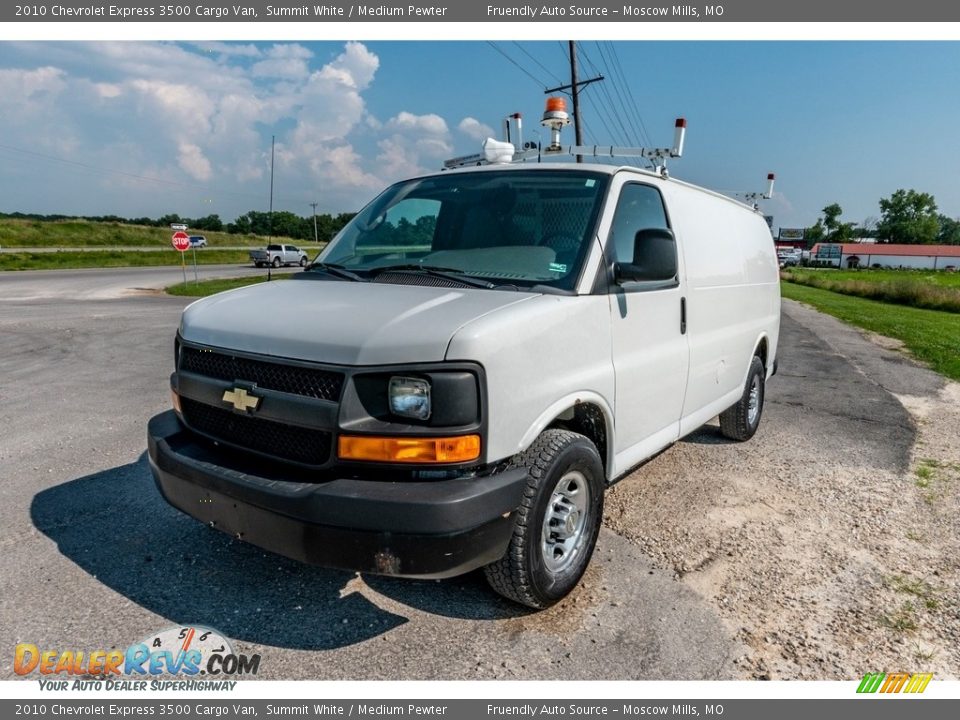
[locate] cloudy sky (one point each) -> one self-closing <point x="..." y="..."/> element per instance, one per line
<point x="148" y="128"/>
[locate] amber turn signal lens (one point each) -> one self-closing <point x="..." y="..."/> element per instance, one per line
<point x="408" y="449"/>
<point x="176" y="401"/>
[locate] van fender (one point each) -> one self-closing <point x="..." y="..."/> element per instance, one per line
<point x="761" y="338"/>
<point x="567" y="403"/>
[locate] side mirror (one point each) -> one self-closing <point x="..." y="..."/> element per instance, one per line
<point x="654" y="257"/>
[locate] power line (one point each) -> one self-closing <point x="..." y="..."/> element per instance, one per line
<point x="617" y="116"/>
<point x="623" y="104"/>
<point x="626" y="85"/>
<point x="602" y="110"/>
<point x="514" y="62"/>
<point x="542" y="66"/>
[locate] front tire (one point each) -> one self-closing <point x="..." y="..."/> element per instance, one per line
<point x="276" y="262"/>
<point x="741" y="421"/>
<point x="557" y="523"/>
<point x="303" y="262"/>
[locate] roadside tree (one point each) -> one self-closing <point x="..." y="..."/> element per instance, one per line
<point x="908" y="216"/>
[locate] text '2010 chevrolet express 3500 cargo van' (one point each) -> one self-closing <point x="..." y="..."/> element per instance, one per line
<point x="481" y="353"/>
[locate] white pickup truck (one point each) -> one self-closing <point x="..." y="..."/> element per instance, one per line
<point x="278" y="255"/>
<point x="485" y="351"/>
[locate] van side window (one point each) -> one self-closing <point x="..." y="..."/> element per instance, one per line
<point x="639" y="207"/>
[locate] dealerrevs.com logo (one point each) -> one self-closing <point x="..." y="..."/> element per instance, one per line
<point x="188" y="652"/>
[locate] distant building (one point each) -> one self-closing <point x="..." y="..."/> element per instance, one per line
<point x="791" y="237"/>
<point x="851" y="255"/>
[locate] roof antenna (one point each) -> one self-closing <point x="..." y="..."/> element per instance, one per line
<point x="754" y="198"/>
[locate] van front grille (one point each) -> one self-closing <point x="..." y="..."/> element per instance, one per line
<point x="285" y="442"/>
<point x="305" y="381"/>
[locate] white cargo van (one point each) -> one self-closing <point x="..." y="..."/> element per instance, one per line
<point x="480" y="354"/>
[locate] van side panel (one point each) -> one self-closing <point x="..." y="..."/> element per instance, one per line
<point x="733" y="293"/>
<point x="546" y="348"/>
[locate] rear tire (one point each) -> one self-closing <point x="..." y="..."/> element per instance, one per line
<point x="557" y="523"/>
<point x="741" y="421"/>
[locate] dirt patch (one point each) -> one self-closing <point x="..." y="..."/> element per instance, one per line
<point x="887" y="343"/>
<point x="825" y="557"/>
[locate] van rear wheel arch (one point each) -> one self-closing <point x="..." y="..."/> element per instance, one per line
<point x="740" y="421"/>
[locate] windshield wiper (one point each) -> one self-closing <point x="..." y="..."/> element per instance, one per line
<point x="335" y="270"/>
<point x="446" y="273"/>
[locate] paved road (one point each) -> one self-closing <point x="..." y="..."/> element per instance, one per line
<point x="108" y="283"/>
<point x="93" y="558"/>
<point x="130" y="248"/>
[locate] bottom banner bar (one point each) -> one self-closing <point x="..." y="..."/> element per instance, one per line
<point x="875" y="707"/>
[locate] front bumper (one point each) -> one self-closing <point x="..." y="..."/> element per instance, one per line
<point x="431" y="529"/>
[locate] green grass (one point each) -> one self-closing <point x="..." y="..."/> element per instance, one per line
<point x="212" y="287"/>
<point x="95" y="244"/>
<point x="934" y="277"/>
<point x="915" y="288"/>
<point x="904" y="620"/>
<point x="930" y="335"/>
<point x="72" y="259"/>
<point x="15" y="232"/>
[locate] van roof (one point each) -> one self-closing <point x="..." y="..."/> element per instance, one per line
<point x="589" y="167"/>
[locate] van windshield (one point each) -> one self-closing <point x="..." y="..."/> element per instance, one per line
<point x="516" y="227"/>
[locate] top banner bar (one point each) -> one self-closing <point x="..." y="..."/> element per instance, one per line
<point x="638" y="11"/>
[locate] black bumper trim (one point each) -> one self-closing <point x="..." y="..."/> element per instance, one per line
<point x="417" y="529"/>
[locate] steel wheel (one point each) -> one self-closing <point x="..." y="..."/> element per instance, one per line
<point x="564" y="521"/>
<point x="556" y="526"/>
<point x="753" y="404"/>
<point x="740" y="421"/>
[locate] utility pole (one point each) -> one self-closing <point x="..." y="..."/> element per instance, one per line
<point x="273" y="139"/>
<point x="574" y="88"/>
<point x="314" y="206"/>
<point x="575" y="91"/>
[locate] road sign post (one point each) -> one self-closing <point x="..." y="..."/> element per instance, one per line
<point x="181" y="241"/>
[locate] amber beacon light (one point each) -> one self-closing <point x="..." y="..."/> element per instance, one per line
<point x="462" y="448"/>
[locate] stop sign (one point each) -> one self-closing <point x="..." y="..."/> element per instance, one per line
<point x="181" y="241"/>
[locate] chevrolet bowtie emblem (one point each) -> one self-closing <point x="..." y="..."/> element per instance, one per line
<point x="241" y="400"/>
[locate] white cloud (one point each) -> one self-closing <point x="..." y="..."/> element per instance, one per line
<point x="107" y="90"/>
<point x="193" y="161"/>
<point x="281" y="68"/>
<point x="199" y="118"/>
<point x="430" y="123"/>
<point x="289" y="51"/>
<point x="284" y="61"/>
<point x="229" y="49"/>
<point x="434" y="147"/>
<point x="33" y="87"/>
<point x="473" y="128"/>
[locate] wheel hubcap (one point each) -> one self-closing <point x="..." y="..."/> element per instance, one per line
<point x="753" y="405"/>
<point x="565" y="521"/>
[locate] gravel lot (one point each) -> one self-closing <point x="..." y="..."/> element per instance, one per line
<point x="828" y="554"/>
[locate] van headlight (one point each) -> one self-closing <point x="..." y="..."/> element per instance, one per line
<point x="409" y="397"/>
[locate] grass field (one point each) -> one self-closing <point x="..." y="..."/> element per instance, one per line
<point x="20" y="233"/>
<point x="930" y="335"/>
<point x="211" y="287"/>
<point x="915" y="288"/>
<point x="72" y="259"/>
